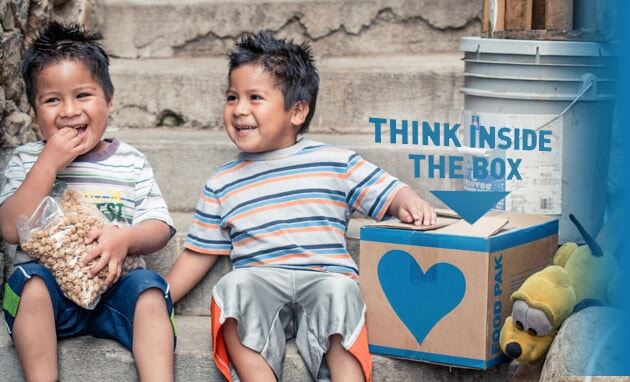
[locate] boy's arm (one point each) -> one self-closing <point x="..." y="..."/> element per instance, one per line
<point x="147" y="237"/>
<point x="36" y="186"/>
<point x="410" y="208"/>
<point x="188" y="271"/>
<point x="60" y="150"/>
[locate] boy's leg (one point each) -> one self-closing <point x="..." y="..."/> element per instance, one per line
<point x="153" y="340"/>
<point x="37" y="313"/>
<point x="137" y="313"/>
<point x="251" y="366"/>
<point x="331" y="335"/>
<point x="343" y="365"/>
<point x="250" y="310"/>
<point x="34" y="334"/>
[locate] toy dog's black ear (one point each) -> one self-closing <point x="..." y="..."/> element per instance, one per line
<point x="596" y="250"/>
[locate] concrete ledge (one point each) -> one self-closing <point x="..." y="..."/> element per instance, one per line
<point x="153" y="28"/>
<point x="90" y="359"/>
<point x="190" y="92"/>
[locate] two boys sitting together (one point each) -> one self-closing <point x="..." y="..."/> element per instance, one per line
<point x="279" y="210"/>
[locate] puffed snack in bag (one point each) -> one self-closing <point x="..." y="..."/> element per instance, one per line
<point x="55" y="236"/>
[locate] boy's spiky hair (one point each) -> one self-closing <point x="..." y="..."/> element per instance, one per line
<point x="58" y="42"/>
<point x="291" y="64"/>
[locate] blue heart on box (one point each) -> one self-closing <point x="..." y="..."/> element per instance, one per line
<point x="420" y="299"/>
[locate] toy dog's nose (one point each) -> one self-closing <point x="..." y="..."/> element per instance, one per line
<point x="513" y="350"/>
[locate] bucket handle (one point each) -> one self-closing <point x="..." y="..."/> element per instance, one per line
<point x="588" y="80"/>
<point x="467" y="150"/>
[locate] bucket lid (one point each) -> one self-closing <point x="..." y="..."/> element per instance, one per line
<point x="537" y="47"/>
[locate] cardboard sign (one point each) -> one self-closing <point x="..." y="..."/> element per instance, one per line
<point x="442" y="295"/>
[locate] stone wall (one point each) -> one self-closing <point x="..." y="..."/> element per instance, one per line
<point x="16" y="125"/>
<point x="19" y="20"/>
<point x="15" y="119"/>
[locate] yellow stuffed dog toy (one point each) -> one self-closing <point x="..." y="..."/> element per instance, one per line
<point x="579" y="277"/>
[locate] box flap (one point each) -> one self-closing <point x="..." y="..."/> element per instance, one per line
<point x="445" y="217"/>
<point x="519" y="220"/>
<point x="395" y="223"/>
<point x="486" y="226"/>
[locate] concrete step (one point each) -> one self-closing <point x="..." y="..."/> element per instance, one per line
<point x="197" y="302"/>
<point x="90" y="359"/>
<point x="184" y="159"/>
<point x="166" y="28"/>
<point x="190" y="92"/>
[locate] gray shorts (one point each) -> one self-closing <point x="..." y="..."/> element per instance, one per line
<point x="273" y="305"/>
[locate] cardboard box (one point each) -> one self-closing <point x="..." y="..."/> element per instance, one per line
<point x="441" y="296"/>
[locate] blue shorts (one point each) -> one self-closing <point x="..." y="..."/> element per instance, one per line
<point x="113" y="316"/>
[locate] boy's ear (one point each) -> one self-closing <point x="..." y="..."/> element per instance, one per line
<point x="300" y="111"/>
<point x="110" y="105"/>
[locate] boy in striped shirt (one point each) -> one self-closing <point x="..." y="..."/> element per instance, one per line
<point x="280" y="211"/>
<point x="68" y="85"/>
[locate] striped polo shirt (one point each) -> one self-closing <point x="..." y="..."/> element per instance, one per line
<point x="289" y="208"/>
<point x="118" y="181"/>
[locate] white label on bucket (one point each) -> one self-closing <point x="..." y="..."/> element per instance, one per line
<point x="540" y="189"/>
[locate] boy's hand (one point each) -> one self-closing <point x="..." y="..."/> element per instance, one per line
<point x="111" y="250"/>
<point x="62" y="148"/>
<point x="410" y="208"/>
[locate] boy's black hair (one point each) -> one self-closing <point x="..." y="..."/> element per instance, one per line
<point x="59" y="42"/>
<point x="291" y="64"/>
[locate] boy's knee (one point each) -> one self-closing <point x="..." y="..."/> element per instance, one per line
<point x="140" y="282"/>
<point x="335" y="340"/>
<point x="145" y="277"/>
<point x="151" y="300"/>
<point x="230" y="325"/>
<point x="35" y="291"/>
<point x="35" y="299"/>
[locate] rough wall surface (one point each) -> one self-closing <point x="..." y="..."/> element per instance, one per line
<point x="151" y="28"/>
<point x="19" y="20"/>
<point x="15" y="120"/>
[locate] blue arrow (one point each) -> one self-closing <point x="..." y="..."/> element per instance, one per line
<point x="470" y="205"/>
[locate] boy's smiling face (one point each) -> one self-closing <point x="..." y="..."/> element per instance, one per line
<point x="69" y="96"/>
<point x="254" y="114"/>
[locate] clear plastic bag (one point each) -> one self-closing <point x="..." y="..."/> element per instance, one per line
<point x="55" y="236"/>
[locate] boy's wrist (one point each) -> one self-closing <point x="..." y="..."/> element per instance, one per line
<point x="46" y="166"/>
<point x="398" y="199"/>
<point x="127" y="235"/>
